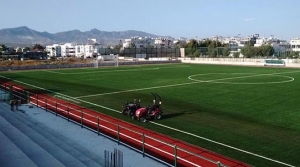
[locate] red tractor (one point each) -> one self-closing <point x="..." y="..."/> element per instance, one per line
<point x="145" y="113"/>
<point x="130" y="108"/>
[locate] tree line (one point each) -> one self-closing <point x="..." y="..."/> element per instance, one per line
<point x="34" y="48"/>
<point x="214" y="48"/>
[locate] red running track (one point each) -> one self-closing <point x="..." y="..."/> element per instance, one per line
<point x="155" y="144"/>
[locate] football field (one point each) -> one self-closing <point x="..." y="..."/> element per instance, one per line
<point x="247" y="113"/>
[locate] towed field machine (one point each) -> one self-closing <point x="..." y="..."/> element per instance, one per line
<point x="129" y="108"/>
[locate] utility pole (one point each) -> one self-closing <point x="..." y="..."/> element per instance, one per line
<point x="238" y="42"/>
<point x="217" y="47"/>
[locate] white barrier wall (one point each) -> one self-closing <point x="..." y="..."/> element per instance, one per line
<point x="238" y="61"/>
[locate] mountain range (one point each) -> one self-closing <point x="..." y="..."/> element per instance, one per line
<point x="26" y="36"/>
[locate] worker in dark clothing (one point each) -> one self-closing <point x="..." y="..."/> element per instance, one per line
<point x="18" y="103"/>
<point x="12" y="104"/>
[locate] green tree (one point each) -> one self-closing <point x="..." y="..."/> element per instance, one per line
<point x="212" y="52"/>
<point x="267" y="50"/>
<point x="191" y="48"/>
<point x="207" y="42"/>
<point x="196" y="53"/>
<point x="3" y="48"/>
<point x="248" y="51"/>
<point x="180" y="44"/>
<point x="257" y="51"/>
<point x="294" y="54"/>
<point x="131" y="45"/>
<point x="226" y="51"/>
<point x="192" y="44"/>
<point x="119" y="46"/>
<point x="236" y="54"/>
<point x="26" y="49"/>
<point x="37" y="47"/>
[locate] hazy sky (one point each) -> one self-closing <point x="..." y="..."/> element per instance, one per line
<point x="176" y="18"/>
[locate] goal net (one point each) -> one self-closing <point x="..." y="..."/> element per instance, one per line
<point x="106" y="60"/>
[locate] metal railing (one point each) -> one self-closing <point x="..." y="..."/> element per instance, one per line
<point x="141" y="142"/>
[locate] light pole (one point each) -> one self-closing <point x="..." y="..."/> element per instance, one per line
<point x="217" y="47"/>
<point x="238" y="36"/>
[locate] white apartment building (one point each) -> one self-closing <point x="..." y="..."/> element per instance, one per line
<point x="72" y="50"/>
<point x="138" y="42"/>
<point x="279" y="45"/>
<point x="68" y="50"/>
<point x="144" y="42"/>
<point x="295" y="44"/>
<point x="54" y="50"/>
<point x="232" y="42"/>
<point x="163" y="42"/>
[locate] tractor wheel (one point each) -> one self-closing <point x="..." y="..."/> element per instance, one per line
<point x="143" y="119"/>
<point x="157" y="116"/>
<point x="130" y="113"/>
<point x="124" y="112"/>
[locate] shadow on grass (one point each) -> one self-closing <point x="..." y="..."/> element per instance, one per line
<point x="168" y="116"/>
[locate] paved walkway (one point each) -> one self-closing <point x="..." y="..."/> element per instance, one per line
<point x="34" y="137"/>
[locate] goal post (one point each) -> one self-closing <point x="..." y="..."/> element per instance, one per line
<point x="116" y="60"/>
<point x="96" y="63"/>
<point x="110" y="60"/>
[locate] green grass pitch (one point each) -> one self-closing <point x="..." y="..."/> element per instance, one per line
<point x="253" y="109"/>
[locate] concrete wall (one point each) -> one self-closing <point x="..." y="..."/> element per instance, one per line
<point x="294" y="63"/>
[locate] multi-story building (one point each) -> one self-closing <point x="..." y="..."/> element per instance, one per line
<point x="144" y="42"/>
<point x="163" y="42"/>
<point x="280" y="46"/>
<point x="295" y="44"/>
<point x="138" y="42"/>
<point x="232" y="42"/>
<point x="54" y="50"/>
<point x="68" y="50"/>
<point x="73" y="50"/>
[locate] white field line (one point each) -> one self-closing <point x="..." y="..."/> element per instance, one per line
<point x="176" y="67"/>
<point x="54" y="72"/>
<point x="133" y="90"/>
<point x="135" y="69"/>
<point x="145" y="69"/>
<point x="225" y="145"/>
<point x="177" y="130"/>
<point x="222" y="79"/>
<point x="198" y="81"/>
